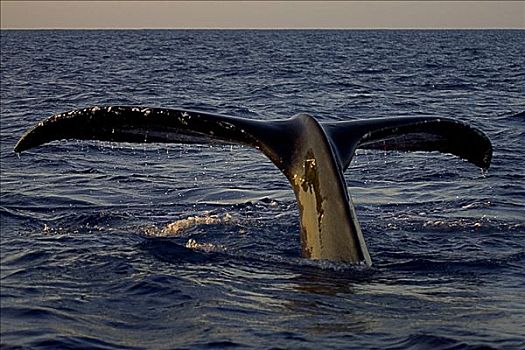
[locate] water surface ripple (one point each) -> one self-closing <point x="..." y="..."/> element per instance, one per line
<point x="88" y="261"/>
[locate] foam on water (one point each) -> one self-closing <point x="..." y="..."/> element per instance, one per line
<point x="176" y="228"/>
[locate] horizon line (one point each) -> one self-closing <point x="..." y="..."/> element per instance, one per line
<point x="268" y="28"/>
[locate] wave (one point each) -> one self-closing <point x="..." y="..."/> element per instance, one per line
<point x="437" y="342"/>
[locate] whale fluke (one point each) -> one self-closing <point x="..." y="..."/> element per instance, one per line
<point x="312" y="155"/>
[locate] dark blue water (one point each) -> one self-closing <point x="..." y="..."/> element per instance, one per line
<point x="111" y="246"/>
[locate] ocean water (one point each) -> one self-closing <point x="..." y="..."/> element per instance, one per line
<point x="126" y="246"/>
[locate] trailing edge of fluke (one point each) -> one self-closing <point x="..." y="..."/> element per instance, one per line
<point x="312" y="155"/>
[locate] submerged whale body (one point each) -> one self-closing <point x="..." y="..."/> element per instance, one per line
<point x="312" y="155"/>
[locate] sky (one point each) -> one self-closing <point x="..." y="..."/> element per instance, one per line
<point x="262" y="14"/>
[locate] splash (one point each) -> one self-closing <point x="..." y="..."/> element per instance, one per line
<point x="178" y="227"/>
<point x="457" y="224"/>
<point x="207" y="247"/>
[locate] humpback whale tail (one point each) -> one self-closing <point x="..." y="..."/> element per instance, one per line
<point x="312" y="155"/>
